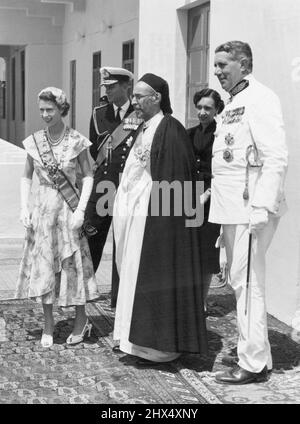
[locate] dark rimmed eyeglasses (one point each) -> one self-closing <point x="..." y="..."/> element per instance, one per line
<point x="139" y="97"/>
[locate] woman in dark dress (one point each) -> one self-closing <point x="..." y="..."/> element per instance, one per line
<point x="208" y="104"/>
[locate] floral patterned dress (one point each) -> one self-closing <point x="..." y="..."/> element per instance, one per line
<point x="56" y="262"/>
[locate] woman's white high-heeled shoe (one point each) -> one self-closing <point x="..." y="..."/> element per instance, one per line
<point x="71" y="340"/>
<point x="46" y="340"/>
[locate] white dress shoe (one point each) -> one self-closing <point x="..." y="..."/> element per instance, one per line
<point x="71" y="340"/>
<point x="46" y="340"/>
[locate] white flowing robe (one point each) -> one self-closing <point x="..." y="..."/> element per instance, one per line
<point x="129" y="218"/>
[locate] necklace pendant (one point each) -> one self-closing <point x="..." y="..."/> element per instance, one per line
<point x="51" y="161"/>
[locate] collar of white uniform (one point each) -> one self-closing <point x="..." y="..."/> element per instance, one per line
<point x="240" y="86"/>
<point x="249" y="77"/>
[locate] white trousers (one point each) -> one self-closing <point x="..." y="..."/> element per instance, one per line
<point x="253" y="348"/>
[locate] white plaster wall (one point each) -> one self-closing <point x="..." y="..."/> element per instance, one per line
<point x="159" y="53"/>
<point x="43" y="56"/>
<point x="43" y="69"/>
<point x="162" y="46"/>
<point x="17" y="29"/>
<point x="123" y="16"/>
<point x="272" y="29"/>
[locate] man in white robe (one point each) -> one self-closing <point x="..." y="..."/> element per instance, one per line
<point x="157" y="316"/>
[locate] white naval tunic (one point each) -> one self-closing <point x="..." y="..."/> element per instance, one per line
<point x="253" y="117"/>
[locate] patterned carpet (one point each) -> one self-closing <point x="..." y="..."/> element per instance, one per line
<point x="86" y="373"/>
<point x="90" y="373"/>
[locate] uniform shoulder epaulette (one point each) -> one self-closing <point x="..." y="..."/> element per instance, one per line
<point x="100" y="108"/>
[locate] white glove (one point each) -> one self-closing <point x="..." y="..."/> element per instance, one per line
<point x="78" y="215"/>
<point x="87" y="186"/>
<point x="220" y="242"/>
<point x="77" y="219"/>
<point x="25" y="189"/>
<point x="205" y="196"/>
<point x="222" y="257"/>
<point x="259" y="218"/>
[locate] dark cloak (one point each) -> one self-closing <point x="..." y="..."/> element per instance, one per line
<point x="168" y="313"/>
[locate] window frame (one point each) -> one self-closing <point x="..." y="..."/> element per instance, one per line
<point x="128" y="62"/>
<point x="73" y="93"/>
<point x="96" y="78"/>
<point x="22" y="71"/>
<point x="13" y="88"/>
<point x="204" y="48"/>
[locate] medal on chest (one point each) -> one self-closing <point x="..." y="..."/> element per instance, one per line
<point x="228" y="154"/>
<point x="233" y="116"/>
<point x="131" y="124"/>
<point x="229" y="139"/>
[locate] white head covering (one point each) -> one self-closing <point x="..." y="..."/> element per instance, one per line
<point x="110" y="75"/>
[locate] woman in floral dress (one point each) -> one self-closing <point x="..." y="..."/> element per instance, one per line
<point x="56" y="263"/>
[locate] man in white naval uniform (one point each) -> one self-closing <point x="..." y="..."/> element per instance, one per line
<point x="249" y="166"/>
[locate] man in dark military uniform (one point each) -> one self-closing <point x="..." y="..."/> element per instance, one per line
<point x="110" y="153"/>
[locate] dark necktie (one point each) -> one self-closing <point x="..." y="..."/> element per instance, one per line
<point x="118" y="116"/>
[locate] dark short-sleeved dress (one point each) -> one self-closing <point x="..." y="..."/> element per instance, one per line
<point x="202" y="142"/>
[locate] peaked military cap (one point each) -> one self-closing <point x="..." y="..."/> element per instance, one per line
<point x="110" y="75"/>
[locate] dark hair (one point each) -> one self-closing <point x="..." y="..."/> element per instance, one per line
<point x="123" y="78"/>
<point x="62" y="104"/>
<point x="209" y="92"/>
<point x="239" y="50"/>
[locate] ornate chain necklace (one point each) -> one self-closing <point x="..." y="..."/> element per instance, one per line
<point x="55" y="142"/>
<point x="52" y="164"/>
